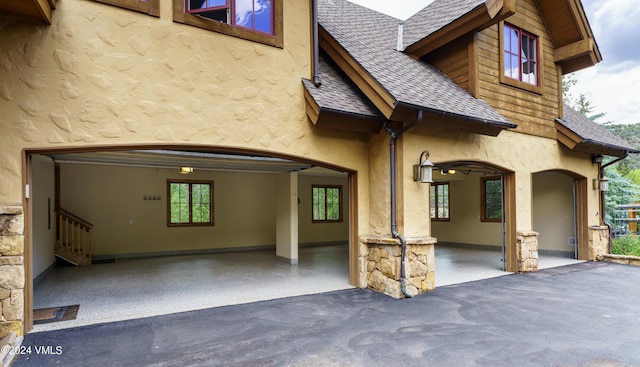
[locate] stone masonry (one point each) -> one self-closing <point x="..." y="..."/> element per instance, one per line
<point x="379" y="265"/>
<point x="527" y="251"/>
<point x="598" y="242"/>
<point x="11" y="269"/>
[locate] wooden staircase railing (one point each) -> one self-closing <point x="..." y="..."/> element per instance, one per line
<point x="73" y="238"/>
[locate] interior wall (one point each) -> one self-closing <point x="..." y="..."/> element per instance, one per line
<point x="42" y="205"/>
<point x="465" y="226"/>
<point x="319" y="233"/>
<point x="112" y="198"/>
<point x="553" y="209"/>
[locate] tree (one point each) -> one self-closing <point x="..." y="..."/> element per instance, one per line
<point x="621" y="191"/>
<point x="580" y="104"/>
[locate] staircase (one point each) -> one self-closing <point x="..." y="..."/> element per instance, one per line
<point x="73" y="238"/>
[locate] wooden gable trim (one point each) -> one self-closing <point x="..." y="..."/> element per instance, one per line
<point x="376" y="93"/>
<point x="313" y="110"/>
<point x="567" y="137"/>
<point x="482" y="17"/>
<point x="576" y="48"/>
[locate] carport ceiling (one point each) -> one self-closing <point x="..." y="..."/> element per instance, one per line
<point x="177" y="159"/>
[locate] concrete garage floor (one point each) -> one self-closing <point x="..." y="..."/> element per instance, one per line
<point x="135" y="288"/>
<point x="578" y="315"/>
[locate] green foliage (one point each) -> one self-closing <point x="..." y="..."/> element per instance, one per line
<point x="621" y="191"/>
<point x="631" y="134"/>
<point x="628" y="244"/>
<point x="326" y="203"/>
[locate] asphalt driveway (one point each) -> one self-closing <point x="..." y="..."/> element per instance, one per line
<point x="586" y="314"/>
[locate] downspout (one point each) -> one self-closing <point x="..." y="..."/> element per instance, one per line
<point x="602" y="199"/>
<point x="315" y="43"/>
<point x="394" y="225"/>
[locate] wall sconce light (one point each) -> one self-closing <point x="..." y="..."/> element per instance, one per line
<point x="445" y="172"/>
<point x="602" y="184"/>
<point x="186" y="170"/>
<point x="423" y="171"/>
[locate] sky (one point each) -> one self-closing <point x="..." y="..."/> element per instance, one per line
<point x="613" y="85"/>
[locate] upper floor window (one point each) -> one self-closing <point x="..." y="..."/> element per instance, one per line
<point x="254" y="20"/>
<point x="327" y="203"/>
<point x="520" y="55"/>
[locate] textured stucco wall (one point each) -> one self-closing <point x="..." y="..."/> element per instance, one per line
<point x="101" y="75"/>
<point x="521" y="153"/>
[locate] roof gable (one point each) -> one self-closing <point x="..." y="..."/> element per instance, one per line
<point x="444" y="21"/>
<point x="363" y="43"/>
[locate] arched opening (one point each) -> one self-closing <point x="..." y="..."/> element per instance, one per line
<point x="263" y="212"/>
<point x="559" y="216"/>
<point x="476" y="235"/>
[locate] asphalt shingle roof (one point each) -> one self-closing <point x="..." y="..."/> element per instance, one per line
<point x="371" y="38"/>
<point x="435" y="16"/>
<point x="338" y="93"/>
<point x="591" y="132"/>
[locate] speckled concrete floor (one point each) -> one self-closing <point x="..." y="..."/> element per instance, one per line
<point x="134" y="288"/>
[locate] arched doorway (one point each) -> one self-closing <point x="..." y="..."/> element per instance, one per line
<point x="477" y="236"/>
<point x="139" y="175"/>
<point x="559" y="216"/>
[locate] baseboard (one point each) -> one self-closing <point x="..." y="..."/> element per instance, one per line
<point x="45" y="273"/>
<point x="469" y="246"/>
<point x="97" y="259"/>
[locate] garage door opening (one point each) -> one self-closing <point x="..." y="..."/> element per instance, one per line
<point x="468" y="217"/>
<point x="245" y="249"/>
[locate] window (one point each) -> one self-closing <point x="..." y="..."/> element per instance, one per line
<point x="491" y="199"/>
<point x="520" y="55"/>
<point x="520" y="59"/>
<point x="327" y="204"/>
<point x="439" y="201"/>
<point x="151" y="7"/>
<point x="190" y="203"/>
<point x="255" y="20"/>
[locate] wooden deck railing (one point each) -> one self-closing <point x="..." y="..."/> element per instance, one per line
<point x="73" y="238"/>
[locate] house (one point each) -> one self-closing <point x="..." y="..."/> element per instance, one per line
<point x="106" y="103"/>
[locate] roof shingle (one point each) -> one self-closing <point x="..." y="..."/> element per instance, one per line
<point x="371" y="39"/>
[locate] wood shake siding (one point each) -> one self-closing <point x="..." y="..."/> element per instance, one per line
<point x="533" y="112"/>
<point x="453" y="60"/>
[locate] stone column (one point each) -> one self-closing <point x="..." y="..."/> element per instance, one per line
<point x="598" y="242"/>
<point x="379" y="265"/>
<point x="287" y="217"/>
<point x="11" y="269"/>
<point x="527" y="251"/>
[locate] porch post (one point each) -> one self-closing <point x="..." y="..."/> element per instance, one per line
<point x="287" y="217"/>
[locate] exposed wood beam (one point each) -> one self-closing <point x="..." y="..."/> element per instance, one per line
<point x="574" y="50"/>
<point x="378" y="95"/>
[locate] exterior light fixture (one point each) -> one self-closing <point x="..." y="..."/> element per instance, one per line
<point x="445" y="172"/>
<point x="604" y="183"/>
<point x="186" y="170"/>
<point x="423" y="171"/>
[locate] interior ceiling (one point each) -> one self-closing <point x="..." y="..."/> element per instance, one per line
<point x="176" y="159"/>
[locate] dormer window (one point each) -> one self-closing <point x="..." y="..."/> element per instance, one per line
<point x="520" y="55"/>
